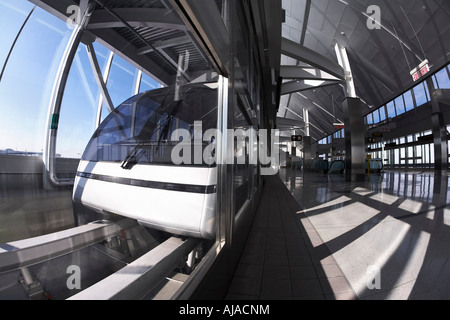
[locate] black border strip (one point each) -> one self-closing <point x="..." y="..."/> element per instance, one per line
<point x="150" y="184"/>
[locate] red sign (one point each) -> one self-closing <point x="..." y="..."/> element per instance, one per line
<point x="424" y="70"/>
<point x="421" y="70"/>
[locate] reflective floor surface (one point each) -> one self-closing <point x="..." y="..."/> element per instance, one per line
<point x="389" y="235"/>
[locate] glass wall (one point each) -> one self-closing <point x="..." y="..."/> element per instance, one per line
<point x="391" y="109"/>
<point x="408" y="151"/>
<point x="79" y="108"/>
<point x="408" y="101"/>
<point x="405" y="152"/>
<point x="28" y="77"/>
<point x="414" y="98"/>
<point x="148" y="83"/>
<point x="442" y="79"/>
<point x="420" y="94"/>
<point x="27" y="81"/>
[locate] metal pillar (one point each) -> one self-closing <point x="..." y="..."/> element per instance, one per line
<point x="137" y="83"/>
<point x="439" y="129"/>
<point x="50" y="179"/>
<point x="355" y="145"/>
<point x="342" y="56"/>
<point x="307" y="155"/>
<point x="355" y="130"/>
<point x="49" y="154"/>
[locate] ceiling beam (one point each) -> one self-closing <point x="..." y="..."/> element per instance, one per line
<point x="305" y="73"/>
<point x="114" y="42"/>
<point x="286" y="122"/>
<point x="389" y="82"/>
<point x="136" y="17"/>
<point x="303" y="85"/>
<point x="305" y="21"/>
<point x="166" y="44"/>
<point x="296" y="51"/>
<point x="204" y="20"/>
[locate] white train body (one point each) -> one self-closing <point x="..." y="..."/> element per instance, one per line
<point x="138" y="180"/>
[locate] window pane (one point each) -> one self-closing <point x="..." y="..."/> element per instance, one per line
<point x="391" y="109"/>
<point x="121" y="81"/>
<point x="376" y="116"/>
<point x="442" y="79"/>
<point x="148" y="83"/>
<point x="382" y="113"/>
<point x="79" y="108"/>
<point x="12" y="17"/>
<point x="409" y="103"/>
<point x="420" y="95"/>
<point x="31" y="70"/>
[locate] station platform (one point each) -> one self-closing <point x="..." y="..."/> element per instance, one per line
<point x="317" y="236"/>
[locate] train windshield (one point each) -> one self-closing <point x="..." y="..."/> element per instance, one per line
<point x="140" y="130"/>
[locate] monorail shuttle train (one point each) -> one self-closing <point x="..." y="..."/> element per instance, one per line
<point x="127" y="168"/>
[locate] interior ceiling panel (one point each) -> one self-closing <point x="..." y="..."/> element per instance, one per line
<point x="381" y="59"/>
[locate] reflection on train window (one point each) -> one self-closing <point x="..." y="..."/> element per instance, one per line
<point x="241" y="152"/>
<point x="143" y="126"/>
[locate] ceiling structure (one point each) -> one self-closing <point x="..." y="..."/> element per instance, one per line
<point x="151" y="36"/>
<point x="147" y="33"/>
<point x="381" y="57"/>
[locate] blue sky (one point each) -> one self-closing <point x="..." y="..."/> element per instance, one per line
<point x="28" y="81"/>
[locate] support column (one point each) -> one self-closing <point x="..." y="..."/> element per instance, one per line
<point x="355" y="131"/>
<point x="439" y="129"/>
<point x="307" y="156"/>
<point x="50" y="179"/>
<point x="355" y="145"/>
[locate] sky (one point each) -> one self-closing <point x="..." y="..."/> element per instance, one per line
<point x="27" y="82"/>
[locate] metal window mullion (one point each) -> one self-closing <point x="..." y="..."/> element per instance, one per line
<point x="106" y="73"/>
<point x="137" y="83"/>
<point x="98" y="76"/>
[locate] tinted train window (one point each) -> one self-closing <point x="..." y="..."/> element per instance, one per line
<point x="143" y="126"/>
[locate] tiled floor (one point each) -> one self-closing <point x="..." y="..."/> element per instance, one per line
<point x="284" y="257"/>
<point x="318" y="236"/>
<point x="395" y="225"/>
